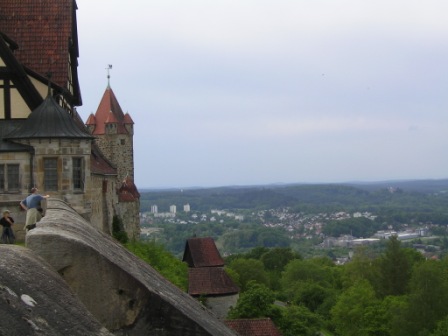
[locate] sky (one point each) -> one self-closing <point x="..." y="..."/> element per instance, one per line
<point x="249" y="92"/>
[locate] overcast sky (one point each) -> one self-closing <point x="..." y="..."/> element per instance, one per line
<point x="243" y="92"/>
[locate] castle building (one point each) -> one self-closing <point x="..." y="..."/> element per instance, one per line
<point x="43" y="140"/>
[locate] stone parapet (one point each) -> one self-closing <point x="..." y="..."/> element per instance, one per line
<point x="124" y="293"/>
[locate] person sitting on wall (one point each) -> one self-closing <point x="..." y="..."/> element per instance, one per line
<point x="8" y="234"/>
<point x="32" y="204"/>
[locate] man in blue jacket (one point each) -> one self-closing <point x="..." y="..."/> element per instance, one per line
<point x="32" y="204"/>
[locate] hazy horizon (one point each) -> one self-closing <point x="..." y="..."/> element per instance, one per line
<point x="262" y="92"/>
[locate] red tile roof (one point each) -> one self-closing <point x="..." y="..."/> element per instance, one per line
<point x="109" y="111"/>
<point x="254" y="327"/>
<point x="91" y="120"/>
<point x="202" y="252"/>
<point x="128" y="191"/>
<point x="99" y="164"/>
<point x="210" y="281"/>
<point x="128" y="119"/>
<point x="46" y="34"/>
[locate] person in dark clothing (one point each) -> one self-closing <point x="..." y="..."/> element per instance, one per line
<point x="8" y="234"/>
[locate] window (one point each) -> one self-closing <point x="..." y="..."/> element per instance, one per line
<point x="9" y="177"/>
<point x="12" y="172"/>
<point x="78" y="181"/>
<point x="51" y="174"/>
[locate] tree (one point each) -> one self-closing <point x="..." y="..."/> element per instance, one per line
<point x="275" y="259"/>
<point x="249" y="270"/>
<point x="311" y="295"/>
<point x="442" y="328"/>
<point x="118" y="231"/>
<point x="299" y="320"/>
<point x="362" y="266"/>
<point x="427" y="298"/>
<point x="164" y="262"/>
<point x="395" y="269"/>
<point x="350" y="315"/>
<point x="306" y="270"/>
<point x="255" y="302"/>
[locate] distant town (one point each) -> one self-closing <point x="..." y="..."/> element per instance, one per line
<point x="297" y="225"/>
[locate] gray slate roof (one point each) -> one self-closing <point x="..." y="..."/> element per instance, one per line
<point x="49" y="120"/>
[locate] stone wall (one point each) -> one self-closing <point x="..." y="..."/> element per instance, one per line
<point x="35" y="300"/>
<point x="118" y="149"/>
<point x="129" y="213"/>
<point x="103" y="200"/>
<point x="220" y="305"/>
<point x="124" y="293"/>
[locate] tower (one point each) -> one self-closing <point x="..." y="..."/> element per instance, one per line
<point x="114" y="132"/>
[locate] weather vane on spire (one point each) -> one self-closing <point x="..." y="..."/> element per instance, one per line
<point x="109" y="66"/>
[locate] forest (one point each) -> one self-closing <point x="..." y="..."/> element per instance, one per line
<point x="426" y="199"/>
<point x="276" y="257"/>
<point x="392" y="292"/>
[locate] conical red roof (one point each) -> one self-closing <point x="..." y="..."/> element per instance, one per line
<point x="109" y="111"/>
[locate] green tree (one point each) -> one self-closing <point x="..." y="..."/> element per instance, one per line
<point x="362" y="266"/>
<point x="118" y="231"/>
<point x="427" y="299"/>
<point x="299" y="320"/>
<point x="275" y="259"/>
<point x="311" y="295"/>
<point x="306" y="270"/>
<point x="164" y="262"/>
<point x="352" y="313"/>
<point x="256" y="301"/>
<point x="249" y="270"/>
<point x="395" y="269"/>
<point x="442" y="328"/>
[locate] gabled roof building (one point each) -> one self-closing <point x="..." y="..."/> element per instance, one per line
<point x="43" y="140"/>
<point x="206" y="276"/>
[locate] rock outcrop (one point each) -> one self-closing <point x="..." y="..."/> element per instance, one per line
<point x="125" y="294"/>
<point x="35" y="300"/>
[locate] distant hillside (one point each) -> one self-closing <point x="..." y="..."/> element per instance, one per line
<point x="404" y="195"/>
<point x="423" y="186"/>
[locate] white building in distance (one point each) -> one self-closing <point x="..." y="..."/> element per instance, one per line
<point x="154" y="209"/>
<point x="187" y="208"/>
<point x="173" y="209"/>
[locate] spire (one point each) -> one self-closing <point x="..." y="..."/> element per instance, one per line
<point x="109" y="67"/>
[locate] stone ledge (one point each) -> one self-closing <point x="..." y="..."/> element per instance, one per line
<point x="124" y="293"/>
<point x="34" y="299"/>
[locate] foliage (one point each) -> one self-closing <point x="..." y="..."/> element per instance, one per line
<point x="387" y="289"/>
<point x="164" y="262"/>
<point x="276" y="259"/>
<point x="299" y="320"/>
<point x="358" y="227"/>
<point x="118" y="231"/>
<point x="422" y="201"/>
<point x="442" y="328"/>
<point x="249" y="270"/>
<point x="255" y="302"/>
<point x="252" y="237"/>
<point x="395" y="268"/>
<point x="353" y="311"/>
<point x="427" y="298"/>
